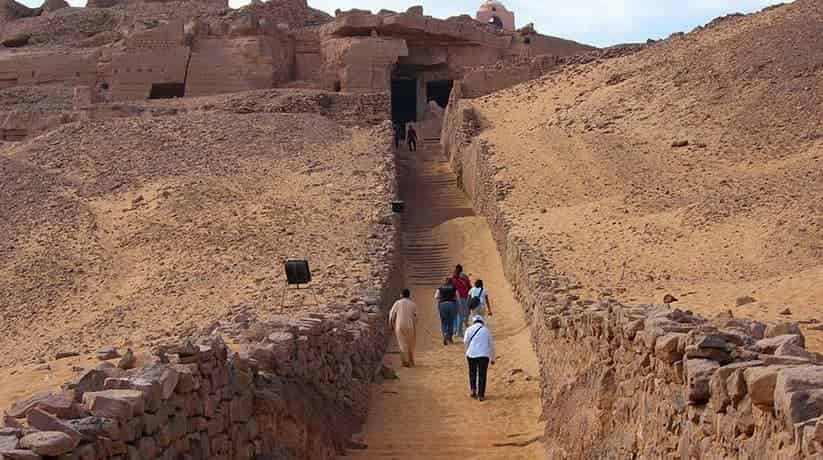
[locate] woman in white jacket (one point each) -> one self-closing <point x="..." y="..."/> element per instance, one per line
<point x="479" y="354"/>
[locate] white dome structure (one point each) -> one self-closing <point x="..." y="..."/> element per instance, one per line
<point x="494" y="12"/>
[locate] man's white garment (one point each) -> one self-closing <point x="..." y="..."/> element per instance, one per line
<point x="479" y="342"/>
<point x="403" y="317"/>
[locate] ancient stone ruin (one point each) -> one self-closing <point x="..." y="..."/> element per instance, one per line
<point x="168" y="85"/>
<point x="137" y="51"/>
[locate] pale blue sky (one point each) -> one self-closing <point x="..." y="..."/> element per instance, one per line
<point x="597" y="22"/>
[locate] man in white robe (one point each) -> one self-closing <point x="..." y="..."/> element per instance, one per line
<point x="403" y="319"/>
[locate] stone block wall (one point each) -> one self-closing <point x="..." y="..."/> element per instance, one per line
<point x="307" y="57"/>
<point x="360" y="64"/>
<point x="195" y="401"/>
<point x="76" y="68"/>
<point x="167" y="35"/>
<point x="135" y="72"/>
<point x="299" y="392"/>
<point x="645" y="381"/>
<point x="226" y="65"/>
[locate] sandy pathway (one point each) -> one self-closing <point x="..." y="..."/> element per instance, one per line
<point x="427" y="412"/>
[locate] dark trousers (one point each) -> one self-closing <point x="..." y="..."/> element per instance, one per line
<point x="478" y="367"/>
<point x="412" y="145"/>
<point x="448" y="312"/>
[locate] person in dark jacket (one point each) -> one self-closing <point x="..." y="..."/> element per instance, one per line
<point x="446" y="296"/>
<point x="398" y="131"/>
<point x="411" y="138"/>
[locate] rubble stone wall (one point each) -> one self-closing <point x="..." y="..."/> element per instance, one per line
<point x="300" y="392"/>
<point x="645" y="381"/>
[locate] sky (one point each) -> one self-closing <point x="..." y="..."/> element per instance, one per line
<point x="594" y="22"/>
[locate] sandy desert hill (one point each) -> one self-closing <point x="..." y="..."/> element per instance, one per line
<point x="692" y="167"/>
<point x="134" y="229"/>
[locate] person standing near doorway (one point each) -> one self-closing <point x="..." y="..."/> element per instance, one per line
<point x="462" y="284"/>
<point x="403" y="319"/>
<point x="411" y="138"/>
<point x="398" y="130"/>
<point x="446" y="297"/>
<point x="479" y="354"/>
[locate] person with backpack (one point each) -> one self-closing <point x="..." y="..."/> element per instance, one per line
<point x="479" y="303"/>
<point x="462" y="284"/>
<point x="479" y="354"/>
<point x="446" y="297"/>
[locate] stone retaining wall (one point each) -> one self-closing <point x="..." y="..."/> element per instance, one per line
<point x="300" y="392"/>
<point x="645" y="381"/>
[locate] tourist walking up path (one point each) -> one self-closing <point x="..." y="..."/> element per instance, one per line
<point x="479" y="354"/>
<point x="427" y="413"/>
<point x="403" y="320"/>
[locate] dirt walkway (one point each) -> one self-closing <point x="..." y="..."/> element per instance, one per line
<point x="427" y="412"/>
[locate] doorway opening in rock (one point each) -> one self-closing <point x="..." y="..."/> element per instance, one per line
<point x="404" y="100"/>
<point x="439" y="91"/>
<point x="167" y="90"/>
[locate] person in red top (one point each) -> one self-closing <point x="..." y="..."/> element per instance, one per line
<point x="462" y="284"/>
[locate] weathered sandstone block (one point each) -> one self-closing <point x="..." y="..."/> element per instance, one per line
<point x="769" y="345"/>
<point x="698" y="375"/>
<point x="116" y="404"/>
<point x="48" y="443"/>
<point x="44" y="421"/>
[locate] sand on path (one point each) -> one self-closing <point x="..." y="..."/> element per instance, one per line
<point x="427" y="411"/>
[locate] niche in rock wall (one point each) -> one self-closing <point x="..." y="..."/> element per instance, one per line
<point x="13" y="135"/>
<point x="167" y="90"/>
<point x="439" y="91"/>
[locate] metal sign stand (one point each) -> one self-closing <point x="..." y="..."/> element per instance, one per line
<point x="296" y="288"/>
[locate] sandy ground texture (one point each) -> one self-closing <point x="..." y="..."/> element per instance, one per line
<point x="691" y="168"/>
<point x="427" y="411"/>
<point x="129" y="231"/>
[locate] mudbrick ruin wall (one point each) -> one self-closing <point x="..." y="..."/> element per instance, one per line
<point x="298" y="392"/>
<point x="645" y="381"/>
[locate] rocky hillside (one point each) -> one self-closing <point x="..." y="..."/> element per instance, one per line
<point x="107" y="21"/>
<point x="691" y="167"/>
<point x="136" y="229"/>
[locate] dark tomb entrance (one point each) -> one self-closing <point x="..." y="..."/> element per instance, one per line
<point x="167" y="90"/>
<point x="439" y="91"/>
<point x="404" y="100"/>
